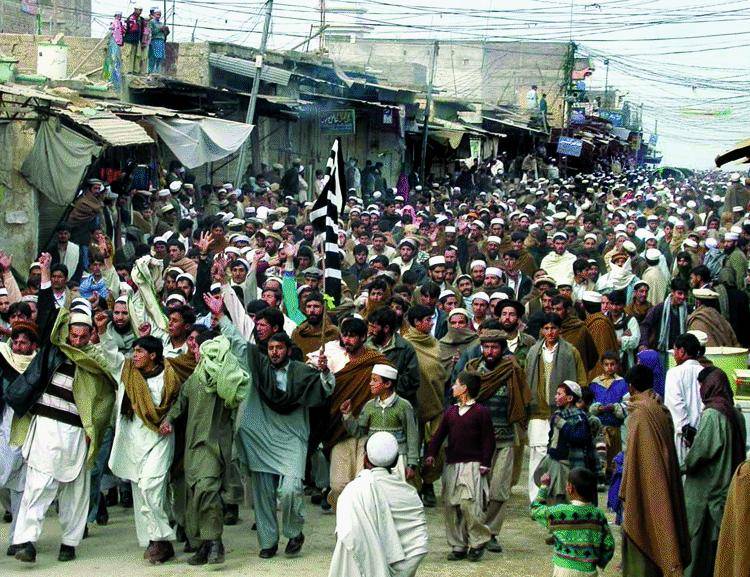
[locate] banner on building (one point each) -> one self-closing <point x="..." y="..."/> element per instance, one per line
<point x="30" y="7"/>
<point x="337" y="121"/>
<point x="569" y="146"/>
<point x="616" y="118"/>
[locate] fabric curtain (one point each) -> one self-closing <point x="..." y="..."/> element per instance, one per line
<point x="197" y="142"/>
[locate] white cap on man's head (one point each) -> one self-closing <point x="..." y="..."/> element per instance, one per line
<point x="574" y="387"/>
<point x="385" y="371"/>
<point x="382" y="449"/>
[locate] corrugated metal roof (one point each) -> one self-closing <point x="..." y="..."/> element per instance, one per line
<point x="28" y="92"/>
<point x="244" y="67"/>
<point x="111" y="129"/>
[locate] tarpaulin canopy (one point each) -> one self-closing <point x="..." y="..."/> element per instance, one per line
<point x="196" y="142"/>
<point x="58" y="161"/>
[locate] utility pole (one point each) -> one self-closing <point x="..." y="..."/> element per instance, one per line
<point x="606" y="84"/>
<point x="428" y="106"/>
<point x="322" y="43"/>
<point x="254" y="93"/>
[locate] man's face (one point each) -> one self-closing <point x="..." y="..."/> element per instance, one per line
<point x="566" y="291"/>
<point x="308" y="232"/>
<point x="378" y="243"/>
<point x="589" y="244"/>
<point x="63" y="236"/>
<point x="427" y="301"/>
<point x="424" y="325"/>
<point x="95" y="268"/>
<point x="79" y="335"/>
<point x="239" y="273"/>
<point x="314" y="312"/>
<point x="218" y="232"/>
<point x="477" y="273"/>
<point x="312" y="281"/>
<point x="378" y="333"/>
<point x="510" y="264"/>
<point x="479" y="308"/>
<point x="351" y="343"/>
<point x="465" y="287"/>
<point x="609" y="366"/>
<point x="175" y="253"/>
<point x="176" y="325"/>
<point x="160" y="250"/>
<point x="560" y="310"/>
<point x="270" y="297"/>
<point x="21" y="344"/>
<point x="58" y="280"/>
<point x="630" y="229"/>
<point x="678" y="297"/>
<point x="550" y="333"/>
<point x="437" y="273"/>
<point x="376" y="295"/>
<point x="4" y="304"/>
<point x="192" y="345"/>
<point x="558" y="245"/>
<point x="588" y="226"/>
<point x="491" y="352"/>
<point x="450" y="303"/>
<point x="509" y="319"/>
<point x="450" y="275"/>
<point x="264" y="329"/>
<point x="186" y="288"/>
<point x="360" y="258"/>
<point x="120" y="315"/>
<point x="546" y="303"/>
<point x="491" y="281"/>
<point x="277" y="353"/>
<point x="458" y="321"/>
<point x="142" y="359"/>
<point x="451" y="256"/>
<point x="406" y="252"/>
<point x="272" y="246"/>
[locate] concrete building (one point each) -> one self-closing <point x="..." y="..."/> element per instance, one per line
<point x="69" y="17"/>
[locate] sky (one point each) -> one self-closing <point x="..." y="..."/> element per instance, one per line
<point x="686" y="61"/>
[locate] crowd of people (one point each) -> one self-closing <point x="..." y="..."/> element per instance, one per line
<point x="175" y="346"/>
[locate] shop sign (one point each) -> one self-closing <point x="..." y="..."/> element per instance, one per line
<point x="338" y="121"/>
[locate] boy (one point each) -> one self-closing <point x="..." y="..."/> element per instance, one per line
<point x="471" y="443"/>
<point x="609" y="389"/>
<point x="390" y="413"/>
<point x="570" y="444"/>
<point x="595" y="425"/>
<point x="579" y="547"/>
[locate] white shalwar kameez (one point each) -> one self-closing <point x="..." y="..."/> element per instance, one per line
<point x="55" y="454"/>
<point x="381" y="529"/>
<point x="683" y="399"/>
<point x="12" y="467"/>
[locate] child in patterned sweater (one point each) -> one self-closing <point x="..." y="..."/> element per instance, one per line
<point x="387" y="412"/>
<point x="582" y="538"/>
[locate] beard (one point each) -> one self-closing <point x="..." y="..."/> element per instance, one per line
<point x="509" y="327"/>
<point x="5" y="316"/>
<point x="121" y="330"/>
<point x="314" y="320"/>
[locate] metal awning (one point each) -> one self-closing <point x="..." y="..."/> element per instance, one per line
<point x="518" y="125"/>
<point x="740" y="152"/>
<point x="243" y="67"/>
<point x="108" y="128"/>
<point x="441" y="124"/>
<point x="343" y="99"/>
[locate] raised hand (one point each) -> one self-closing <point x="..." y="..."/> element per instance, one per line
<point x="144" y="330"/>
<point x="218" y="270"/>
<point x="165" y="428"/>
<point x="5" y="261"/>
<point x="204" y="241"/>
<point x="322" y="362"/>
<point x="101" y="320"/>
<point x="346" y="407"/>
<point x="214" y="303"/>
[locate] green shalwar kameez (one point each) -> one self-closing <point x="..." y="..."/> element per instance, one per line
<point x="208" y="450"/>
<point x="709" y="469"/>
<point x="271" y="443"/>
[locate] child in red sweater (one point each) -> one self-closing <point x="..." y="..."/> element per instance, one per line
<point x="471" y="443"/>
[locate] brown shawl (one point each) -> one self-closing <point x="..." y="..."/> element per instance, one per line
<point x="733" y="553"/>
<point x="526" y="263"/>
<point x="603" y="332"/>
<point x="310" y="338"/>
<point x="186" y="265"/>
<point x="352" y="382"/>
<point x="455" y="341"/>
<point x="654" y="516"/>
<point x="575" y="332"/>
<point x="710" y="321"/>
<point x="638" y="310"/>
<point x="85" y="208"/>
<point x="432" y="372"/>
<point x="509" y="373"/>
<point x="138" y="398"/>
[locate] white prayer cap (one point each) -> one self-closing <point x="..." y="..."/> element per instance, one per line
<point x="629" y="246"/>
<point x="122" y="299"/>
<point x="80" y="301"/>
<point x="574" y="387"/>
<point x="228" y="186"/>
<point x="34" y="265"/>
<point x="186" y="276"/>
<point x="450" y="229"/>
<point x="498" y="295"/>
<point x="377" y="194"/>
<point x="591" y="236"/>
<point x="711" y="242"/>
<point x="560" y="215"/>
<point x="385" y="371"/>
<point x="440" y="219"/>
<point x="175" y="186"/>
<point x="691" y="204"/>
<point x="495" y="239"/>
<point x="163" y="193"/>
<point x="652" y="217"/>
<point x="436" y="261"/>
<point x="621" y="228"/>
<point x="241" y="261"/>
<point x="445" y="294"/>
<point x="459" y="311"/>
<point x="232" y="249"/>
<point x="700" y="335"/>
<point x="481" y="296"/>
<point x="3" y="292"/>
<point x="653" y="254"/>
<point x="177" y="297"/>
<point x="249" y="210"/>
<point x="81" y="319"/>
<point x="477" y="263"/>
<point x="561" y="235"/>
<point x="735" y="177"/>
<point x="736" y="229"/>
<point x="690" y="242"/>
<point x="214" y="287"/>
<point x="497" y="220"/>
<point x="493" y="271"/>
<point x="479" y="223"/>
<point x="32" y="298"/>
<point x="701" y="228"/>
<point x="705" y="293"/>
<point x="241" y="238"/>
<point x="382" y="448"/>
<point x="591" y="297"/>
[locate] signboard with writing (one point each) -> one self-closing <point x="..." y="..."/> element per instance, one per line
<point x="653" y="139"/>
<point x="338" y="121"/>
<point x="577" y="114"/>
<point x="569" y="146"/>
<point x="615" y="117"/>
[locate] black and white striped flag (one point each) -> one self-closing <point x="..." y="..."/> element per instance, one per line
<point x="325" y="216"/>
